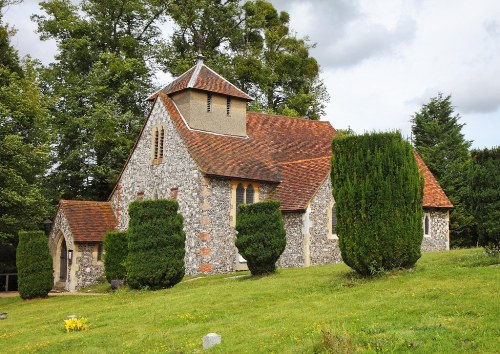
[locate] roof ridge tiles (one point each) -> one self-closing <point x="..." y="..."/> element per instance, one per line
<point x="305" y="160"/>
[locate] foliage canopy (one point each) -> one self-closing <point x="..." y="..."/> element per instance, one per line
<point x="439" y="140"/>
<point x="484" y="195"/>
<point x="24" y="148"/>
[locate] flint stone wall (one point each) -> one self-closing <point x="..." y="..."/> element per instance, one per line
<point x="439" y="239"/>
<point x="88" y="270"/>
<point x="323" y="250"/>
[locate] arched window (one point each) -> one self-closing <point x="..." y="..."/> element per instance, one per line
<point x="427" y="225"/>
<point x="334" y="219"/>
<point x="240" y="195"/>
<point x="156" y="143"/>
<point x="162" y="138"/>
<point x="250" y="194"/>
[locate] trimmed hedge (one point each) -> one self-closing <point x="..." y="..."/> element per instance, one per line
<point x="156" y="243"/>
<point x="261" y="235"/>
<point x="34" y="265"/>
<point x="378" y="192"/>
<point x="115" y="245"/>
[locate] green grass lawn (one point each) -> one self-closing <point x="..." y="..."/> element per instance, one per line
<point x="449" y="303"/>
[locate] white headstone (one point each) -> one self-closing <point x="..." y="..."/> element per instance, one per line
<point x="210" y="340"/>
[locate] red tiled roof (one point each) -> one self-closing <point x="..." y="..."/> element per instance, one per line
<point x="88" y="220"/>
<point x="201" y="77"/>
<point x="301" y="180"/>
<point x="434" y="195"/>
<point x="290" y="151"/>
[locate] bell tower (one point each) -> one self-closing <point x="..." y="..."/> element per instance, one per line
<point x="208" y="102"/>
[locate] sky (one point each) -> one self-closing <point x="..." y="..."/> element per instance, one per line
<point x="380" y="60"/>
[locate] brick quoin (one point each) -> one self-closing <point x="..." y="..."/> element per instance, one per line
<point x="205" y="251"/>
<point x="205" y="268"/>
<point x="204" y="236"/>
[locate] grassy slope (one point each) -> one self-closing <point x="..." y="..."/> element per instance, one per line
<point x="450" y="303"/>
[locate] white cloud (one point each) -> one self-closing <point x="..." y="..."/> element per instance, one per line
<point x="26" y="40"/>
<point x="383" y="59"/>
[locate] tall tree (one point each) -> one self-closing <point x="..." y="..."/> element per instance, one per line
<point x="101" y="76"/>
<point x="252" y="46"/>
<point x="484" y="196"/>
<point x="24" y="148"/>
<point x="439" y="140"/>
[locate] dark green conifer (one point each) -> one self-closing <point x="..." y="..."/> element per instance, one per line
<point x="156" y="244"/>
<point x="261" y="235"/>
<point x="34" y="265"/>
<point x="116" y="251"/>
<point x="378" y="193"/>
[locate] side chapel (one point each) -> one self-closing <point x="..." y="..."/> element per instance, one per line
<point x="200" y="146"/>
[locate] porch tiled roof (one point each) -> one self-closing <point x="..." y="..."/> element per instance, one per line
<point x="88" y="220"/>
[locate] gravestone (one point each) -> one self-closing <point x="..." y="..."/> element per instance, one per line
<point x="210" y="340"/>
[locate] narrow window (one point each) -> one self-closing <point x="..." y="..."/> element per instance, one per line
<point x="99" y="252"/>
<point x="240" y="195"/>
<point x="228" y="106"/>
<point x="162" y="138"/>
<point x="156" y="144"/>
<point x="427" y="225"/>
<point x="334" y="220"/>
<point x="250" y="194"/>
<point x="209" y="102"/>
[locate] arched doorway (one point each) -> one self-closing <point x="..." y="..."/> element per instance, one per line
<point x="63" y="270"/>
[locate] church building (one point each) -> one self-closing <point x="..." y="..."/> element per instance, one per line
<point x="200" y="146"/>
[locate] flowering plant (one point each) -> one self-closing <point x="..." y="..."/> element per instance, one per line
<point x="76" y="324"/>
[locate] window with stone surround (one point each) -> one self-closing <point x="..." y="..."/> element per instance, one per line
<point x="332" y="221"/>
<point x="242" y="193"/>
<point x="427" y="225"/>
<point x="99" y="251"/>
<point x="158" y="144"/>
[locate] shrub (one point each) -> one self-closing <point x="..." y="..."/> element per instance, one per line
<point x="34" y="265"/>
<point x="116" y="250"/>
<point x="484" y="197"/>
<point x="378" y="193"/>
<point x="261" y="235"/>
<point x="156" y="243"/>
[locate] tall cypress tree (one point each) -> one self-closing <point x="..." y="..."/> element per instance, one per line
<point x="439" y="140"/>
<point x="378" y="193"/>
